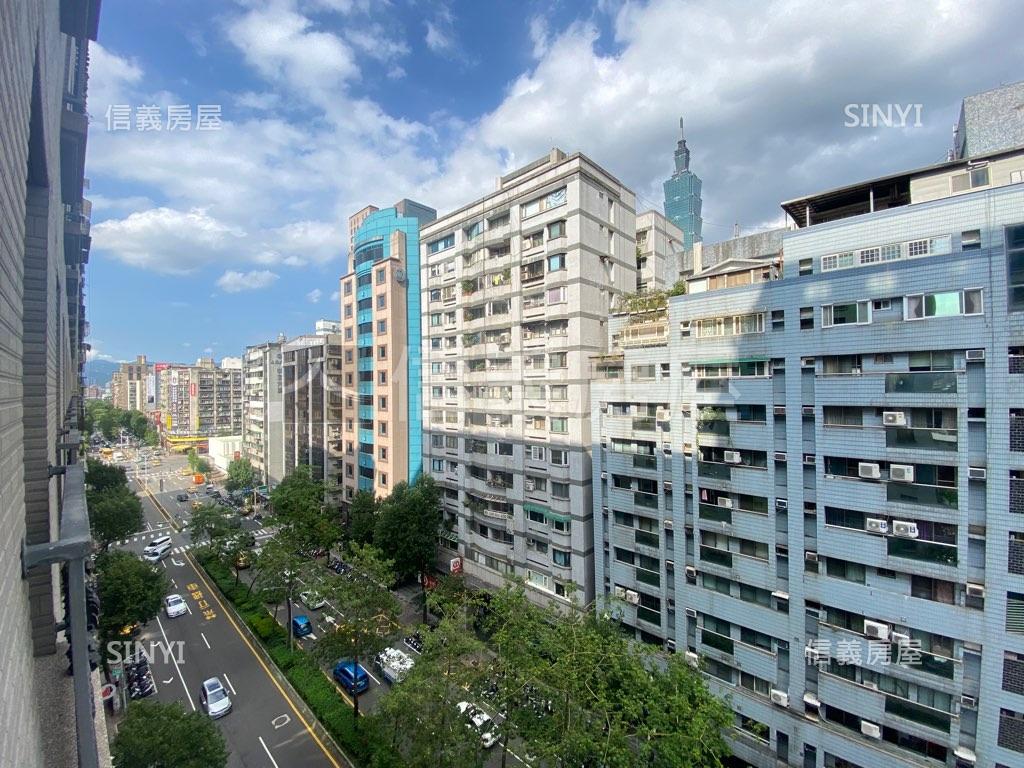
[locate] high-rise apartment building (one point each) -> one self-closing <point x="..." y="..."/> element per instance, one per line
<point x="312" y="407"/>
<point x="44" y="247"/>
<point x="809" y="474"/>
<point x="516" y="292"/>
<point x="263" y="420"/>
<point x="659" y="252"/>
<point x="131" y="388"/>
<point x="682" y="194"/>
<point x="380" y="318"/>
<point x="200" y="401"/>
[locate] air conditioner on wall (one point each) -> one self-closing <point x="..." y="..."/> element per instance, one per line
<point x="732" y="457"/>
<point x="906" y="529"/>
<point x="901" y="473"/>
<point x="780" y="455"/>
<point x="620" y="592"/>
<point x="894" y="418"/>
<point x="977" y="473"/>
<point x="871" y="730"/>
<point x="725" y="501"/>
<point x="976" y="590"/>
<point x="876" y="629"/>
<point x="975" y="354"/>
<point x="633" y="598"/>
<point x="779" y="697"/>
<point x="899" y="638"/>
<point x="530" y="484"/>
<point x="876" y="525"/>
<point x="779" y="410"/>
<point x="663" y="415"/>
<point x="968" y="702"/>
<point x="670" y="646"/>
<point x="869" y="470"/>
<point x="691" y="572"/>
<point x="691" y="612"/>
<point x="811" y="557"/>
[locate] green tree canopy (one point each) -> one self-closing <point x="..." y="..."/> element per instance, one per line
<point x="240" y="475"/>
<point x="298" y="503"/>
<point x="100" y="476"/>
<point x="131" y="590"/>
<point x="155" y="735"/>
<point x="362" y="517"/>
<point x="114" y="513"/>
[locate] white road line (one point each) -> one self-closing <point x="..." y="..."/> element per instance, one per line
<point x="176" y="667"/>
<point x="228" y="681"/>
<point x="205" y="641"/>
<point x="265" y="749"/>
<point x="368" y="674"/>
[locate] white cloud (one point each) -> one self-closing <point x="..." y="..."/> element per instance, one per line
<point x="314" y="296"/>
<point x="539" y="36"/>
<point x="234" y="282"/>
<point x="110" y="79"/>
<point x="257" y="101"/>
<point x="335" y="296"/>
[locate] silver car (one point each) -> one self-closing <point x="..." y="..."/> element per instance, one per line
<point x="215" y="700"/>
<point x="174" y="605"/>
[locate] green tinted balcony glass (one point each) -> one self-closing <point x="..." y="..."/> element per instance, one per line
<point x="646" y="538"/>
<point x="649" y="500"/>
<point x="648" y="577"/>
<point x="648" y="615"/>
<point x="711" y="512"/>
<point x="921" y="382"/>
<point x="909" y="493"/>
<point x="717" y="556"/>
<point x="645" y="424"/>
<point x="923" y="715"/>
<point x="916" y="549"/>
<point x="721" y="642"/>
<point x="935" y="665"/>
<point x="716" y="471"/>
<point x="926" y="439"/>
<point x="714" y="427"/>
<point x="641" y="461"/>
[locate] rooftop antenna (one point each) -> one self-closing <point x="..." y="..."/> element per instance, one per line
<point x="736" y="229"/>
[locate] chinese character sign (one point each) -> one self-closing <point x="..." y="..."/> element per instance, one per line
<point x="175" y="117"/>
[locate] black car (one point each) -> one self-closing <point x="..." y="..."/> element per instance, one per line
<point x="182" y="497"/>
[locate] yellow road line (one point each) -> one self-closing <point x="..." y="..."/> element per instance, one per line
<point x="259" y="659"/>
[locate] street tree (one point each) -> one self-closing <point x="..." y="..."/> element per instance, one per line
<point x="114" y="513"/>
<point x="279" y="576"/>
<point x="240" y="475"/>
<point x="370" y="610"/>
<point x="362" y="517"/>
<point x="130" y="591"/>
<point x="298" y="503"/>
<point x="155" y="735"/>
<point x="193" y="460"/>
<point x="407" y="528"/>
<point x="100" y="476"/>
<point x="208" y="522"/>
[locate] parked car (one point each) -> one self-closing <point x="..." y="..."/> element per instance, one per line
<point x="312" y="599"/>
<point x="351" y="676"/>
<point x="479" y="721"/>
<point x="215" y="700"/>
<point x="301" y="626"/>
<point x="414" y="641"/>
<point x="393" y="664"/>
<point x="243" y="560"/>
<point x="181" y="497"/>
<point x="174" y="605"/>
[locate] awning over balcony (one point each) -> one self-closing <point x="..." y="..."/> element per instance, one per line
<point x="549" y="514"/>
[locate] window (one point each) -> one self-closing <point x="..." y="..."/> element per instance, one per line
<point x="348" y="288"/>
<point x="348" y="311"/>
<point x="547" y="202"/>
<point x="382" y="352"/>
<point x="806" y="266"/>
<point x="559" y="392"/>
<point x="435" y="319"/>
<point x="381" y="275"/>
<point x="448" y="241"/>
<point x="382" y="429"/>
<point x="973" y="179"/>
<point x="560" y="557"/>
<point x="536" y="517"/>
<point x="533" y="240"/>
<point x="556" y="295"/>
<point x="945" y="304"/>
<point x="643" y="372"/>
<point x="437" y="465"/>
<point x="348" y="355"/>
<point x="559" y="425"/>
<point x="1015" y="266"/>
<point x="382" y="403"/>
<point x="970" y="240"/>
<point x="559" y="457"/>
<point x="473" y="230"/>
<point x="556" y="262"/>
<point x="382" y="377"/>
<point x="558" y="360"/>
<point x="857" y="313"/>
<point x="806" y="318"/>
<point x="383" y="478"/>
<point x="556" y="229"/>
<point x="348" y="334"/>
<point x="382" y="326"/>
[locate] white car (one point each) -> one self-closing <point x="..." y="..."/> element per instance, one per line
<point x="480" y="721"/>
<point x="174" y="605"/>
<point x="394" y="664"/>
<point x="312" y="599"/>
<point x="215" y="700"/>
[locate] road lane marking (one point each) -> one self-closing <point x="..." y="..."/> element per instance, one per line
<point x="280" y="721"/>
<point x="205" y="641"/>
<point x="272" y="760"/>
<point x="175" y="660"/>
<point x="228" y="680"/>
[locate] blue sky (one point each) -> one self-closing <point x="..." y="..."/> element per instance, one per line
<point x="204" y="242"/>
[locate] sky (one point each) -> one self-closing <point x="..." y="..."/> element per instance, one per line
<point x="205" y="241"/>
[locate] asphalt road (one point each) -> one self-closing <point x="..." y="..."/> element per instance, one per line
<point x="267" y="726"/>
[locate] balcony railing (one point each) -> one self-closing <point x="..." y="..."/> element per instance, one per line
<point x="917" y="549"/>
<point x="936" y="665"/>
<point x="714" y="427"/>
<point x="715" y="640"/>
<point x="645" y="424"/>
<point x="646" y="539"/>
<point x="641" y="461"/>
<point x="926" y="439"/>
<point x="649" y="615"/>
<point x="717" y="556"/>
<point x="714" y="471"/>
<point x="717" y="514"/>
<point x="648" y="577"/>
<point x="918" y="713"/>
<point x="921" y="382"/>
<point x="649" y="500"/>
<point x="932" y="495"/>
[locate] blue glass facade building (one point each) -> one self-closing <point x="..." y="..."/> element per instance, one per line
<point x="682" y="195"/>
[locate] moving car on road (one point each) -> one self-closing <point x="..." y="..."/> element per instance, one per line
<point x="174" y="605"/>
<point x="301" y="626"/>
<point x="215" y="700"/>
<point x="181" y="497"/>
<point x="351" y="676"/>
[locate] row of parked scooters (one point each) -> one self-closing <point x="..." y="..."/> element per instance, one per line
<point x="138" y="677"/>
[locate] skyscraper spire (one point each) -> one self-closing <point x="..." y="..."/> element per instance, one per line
<point x="682" y="193"/>
<point x="682" y="152"/>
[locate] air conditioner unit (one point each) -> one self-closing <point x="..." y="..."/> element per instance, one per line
<point x="604" y="407"/>
<point x="811" y="557"/>
<point x="531" y="484"/>
<point x="670" y="646"/>
<point x="780" y="697"/>
<point x="901" y="473"/>
<point x="807" y="410"/>
<point x="633" y="598"/>
<point x="894" y="418"/>
<point x="620" y="592"/>
<point x="779" y="410"/>
<point x="691" y="612"/>
<point x="977" y="473"/>
<point x="668" y="485"/>
<point x="780" y="455"/>
<point x="869" y="470"/>
<point x="809" y="459"/>
<point x="975" y="354"/>
<point x="871" y="730"/>
<point x="781" y="505"/>
<point x="604" y="475"/>
<point x="899" y="638"/>
<point x="692" y="659"/>
<point x="876" y="525"/>
<point x="906" y="529"/>
<point x="876" y="629"/>
<point x="976" y="590"/>
<point x="807" y="362"/>
<point x="968" y="702"/>
<point x="663" y="415"/>
<point x="725" y="501"/>
<point x="870" y="685"/>
<point x="731" y="457"/>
